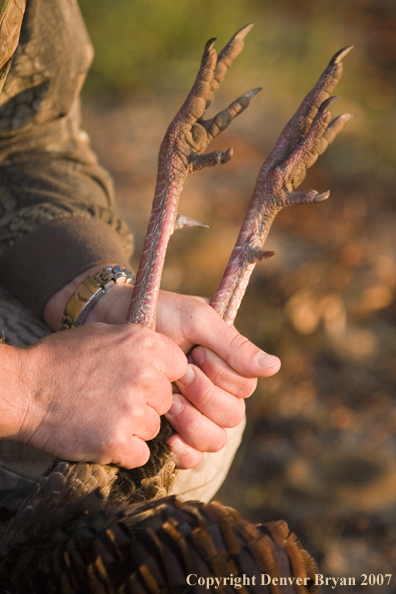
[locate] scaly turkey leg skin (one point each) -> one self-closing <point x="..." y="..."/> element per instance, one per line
<point x="304" y="138"/>
<point x="181" y="153"/>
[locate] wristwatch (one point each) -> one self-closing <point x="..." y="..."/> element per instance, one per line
<point x="90" y="291"/>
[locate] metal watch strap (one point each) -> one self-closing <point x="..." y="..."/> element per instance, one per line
<point x="90" y="291"/>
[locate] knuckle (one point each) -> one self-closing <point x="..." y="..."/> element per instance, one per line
<point x="247" y="387"/>
<point x="146" y="376"/>
<point x="138" y="456"/>
<point x="204" y="396"/>
<point x="161" y="399"/>
<point x="120" y="446"/>
<point x="179" y="363"/>
<point x="240" y="343"/>
<point x="153" y="424"/>
<point x="201" y="311"/>
<point x="216" y="373"/>
<point x="219" y="442"/>
<point x="147" y="339"/>
<point x="137" y="336"/>
<point x="166" y="398"/>
<point x="195" y="427"/>
<point x="143" y="456"/>
<point x="109" y="445"/>
<point x="235" y="415"/>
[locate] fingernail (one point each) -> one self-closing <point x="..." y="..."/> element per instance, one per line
<point x="268" y="361"/>
<point x="188" y="377"/>
<point x="178" y="446"/>
<point x="199" y="356"/>
<point x="177" y="405"/>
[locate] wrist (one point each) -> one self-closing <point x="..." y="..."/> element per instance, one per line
<point x="113" y="307"/>
<point x="15" y="391"/>
<point x="55" y="308"/>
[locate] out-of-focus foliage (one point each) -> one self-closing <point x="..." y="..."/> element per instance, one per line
<point x="320" y="448"/>
<point x="146" y="47"/>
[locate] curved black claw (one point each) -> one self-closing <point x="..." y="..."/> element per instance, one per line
<point x="326" y="104"/>
<point x="340" y="55"/>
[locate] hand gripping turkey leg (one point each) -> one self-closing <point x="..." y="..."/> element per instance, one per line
<point x="66" y="536"/>
<point x="304" y="138"/>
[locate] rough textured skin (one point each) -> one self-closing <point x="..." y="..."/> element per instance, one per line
<point x="180" y="154"/>
<point x="88" y="539"/>
<point x="156" y="478"/>
<point x="304" y="138"/>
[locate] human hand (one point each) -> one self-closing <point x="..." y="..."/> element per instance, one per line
<point x="213" y="390"/>
<point x="95" y="393"/>
<point x="225" y="371"/>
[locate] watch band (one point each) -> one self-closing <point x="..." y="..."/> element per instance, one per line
<point x="90" y="291"/>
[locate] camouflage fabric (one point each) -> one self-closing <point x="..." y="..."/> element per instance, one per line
<point x="11" y="15"/>
<point x="52" y="190"/>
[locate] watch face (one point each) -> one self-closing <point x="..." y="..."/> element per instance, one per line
<point x="11" y="15"/>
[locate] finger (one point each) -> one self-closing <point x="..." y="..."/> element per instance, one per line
<point x="196" y="429"/>
<point x="207" y="329"/>
<point x="216" y="404"/>
<point x="170" y="359"/>
<point x="118" y="441"/>
<point x="150" y="422"/>
<point x="184" y="456"/>
<point x="133" y="454"/>
<point x="221" y="374"/>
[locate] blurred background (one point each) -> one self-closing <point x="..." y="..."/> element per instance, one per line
<point x="320" y="445"/>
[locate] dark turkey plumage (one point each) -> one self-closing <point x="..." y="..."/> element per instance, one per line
<point x="89" y="547"/>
